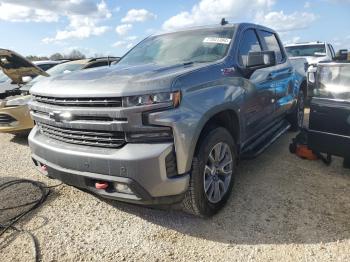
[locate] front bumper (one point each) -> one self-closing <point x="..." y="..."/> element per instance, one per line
<point x="140" y="166"/>
<point x="15" y="119"/>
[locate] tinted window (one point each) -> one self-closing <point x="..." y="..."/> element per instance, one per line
<point x="46" y="66"/>
<point x="97" y="64"/>
<point x="272" y="44"/>
<point x="249" y="43"/>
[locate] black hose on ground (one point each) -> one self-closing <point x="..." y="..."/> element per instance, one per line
<point x="32" y="205"/>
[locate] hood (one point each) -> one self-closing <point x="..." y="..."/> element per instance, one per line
<point x="16" y="66"/>
<point x="117" y="80"/>
<point x="312" y="60"/>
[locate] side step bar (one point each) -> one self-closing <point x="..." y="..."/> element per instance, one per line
<point x="264" y="141"/>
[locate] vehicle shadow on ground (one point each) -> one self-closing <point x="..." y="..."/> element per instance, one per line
<point x="15" y="196"/>
<point x="21" y="138"/>
<point x="277" y="199"/>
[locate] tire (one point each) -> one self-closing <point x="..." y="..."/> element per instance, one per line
<point x="201" y="202"/>
<point x="296" y="118"/>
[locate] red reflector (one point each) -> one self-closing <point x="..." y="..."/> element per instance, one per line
<point x="101" y="185"/>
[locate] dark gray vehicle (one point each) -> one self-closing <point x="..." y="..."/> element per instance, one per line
<point x="171" y="120"/>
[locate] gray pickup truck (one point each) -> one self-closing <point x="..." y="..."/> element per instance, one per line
<point x="169" y="123"/>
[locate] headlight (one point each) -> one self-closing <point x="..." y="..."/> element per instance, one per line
<point x="20" y="101"/>
<point x="172" y="99"/>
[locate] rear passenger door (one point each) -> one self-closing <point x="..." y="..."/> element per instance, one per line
<point x="281" y="75"/>
<point x="258" y="108"/>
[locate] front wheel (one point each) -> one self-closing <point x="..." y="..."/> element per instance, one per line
<point x="296" y="118"/>
<point x="212" y="176"/>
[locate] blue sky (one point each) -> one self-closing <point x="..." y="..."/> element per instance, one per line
<point x="111" y="27"/>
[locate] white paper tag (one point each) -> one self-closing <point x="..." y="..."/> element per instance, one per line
<point x="217" y="40"/>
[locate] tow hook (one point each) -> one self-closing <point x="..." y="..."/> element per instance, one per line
<point x="101" y="185"/>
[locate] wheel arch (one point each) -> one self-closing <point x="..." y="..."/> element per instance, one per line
<point x="225" y="117"/>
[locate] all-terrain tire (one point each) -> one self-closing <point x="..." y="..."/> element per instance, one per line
<point x="196" y="201"/>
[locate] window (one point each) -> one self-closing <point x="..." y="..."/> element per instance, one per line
<point x="197" y="46"/>
<point x="272" y="44"/>
<point x="249" y="43"/>
<point x="97" y="64"/>
<point x="46" y="67"/>
<point x="316" y="50"/>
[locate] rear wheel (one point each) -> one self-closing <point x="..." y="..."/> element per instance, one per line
<point x="212" y="176"/>
<point x="296" y="118"/>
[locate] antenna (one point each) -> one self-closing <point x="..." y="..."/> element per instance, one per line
<point x="223" y="21"/>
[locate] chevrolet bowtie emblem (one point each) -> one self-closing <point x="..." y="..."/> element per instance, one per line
<point x="59" y="116"/>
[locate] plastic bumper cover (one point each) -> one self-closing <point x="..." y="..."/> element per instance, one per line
<point x="140" y="166"/>
<point x="15" y="119"/>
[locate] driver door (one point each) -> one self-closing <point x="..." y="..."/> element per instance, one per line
<point x="259" y="105"/>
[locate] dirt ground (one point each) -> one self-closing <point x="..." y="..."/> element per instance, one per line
<point x="282" y="209"/>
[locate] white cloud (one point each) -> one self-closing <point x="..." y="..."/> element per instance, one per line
<point x="18" y="13"/>
<point x="295" y="39"/>
<point x="84" y="16"/>
<point x="132" y="38"/>
<point x="286" y="22"/>
<point x="123" y="29"/>
<point x="211" y="11"/>
<point x="123" y="44"/>
<point x="138" y="15"/>
<point x="83" y="26"/>
<point x="119" y="44"/>
<point x="58" y="7"/>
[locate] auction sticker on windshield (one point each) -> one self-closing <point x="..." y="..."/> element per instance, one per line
<point x="217" y="40"/>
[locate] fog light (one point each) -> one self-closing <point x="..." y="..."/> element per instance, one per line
<point x="123" y="188"/>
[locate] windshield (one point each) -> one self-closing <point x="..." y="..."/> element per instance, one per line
<point x="333" y="82"/>
<point x="196" y="46"/>
<point x="306" y="50"/>
<point x="60" y="69"/>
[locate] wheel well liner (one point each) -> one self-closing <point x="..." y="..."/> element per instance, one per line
<point x="227" y="119"/>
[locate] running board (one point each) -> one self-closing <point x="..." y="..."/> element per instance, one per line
<point x="265" y="140"/>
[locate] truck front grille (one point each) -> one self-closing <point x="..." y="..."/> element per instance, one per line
<point x="83" y="137"/>
<point x="81" y="102"/>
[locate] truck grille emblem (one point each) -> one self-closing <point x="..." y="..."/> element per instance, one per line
<point x="59" y="117"/>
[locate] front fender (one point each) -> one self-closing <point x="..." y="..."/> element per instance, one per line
<point x="197" y="107"/>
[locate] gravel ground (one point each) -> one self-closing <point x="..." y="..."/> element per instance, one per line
<point x="282" y="209"/>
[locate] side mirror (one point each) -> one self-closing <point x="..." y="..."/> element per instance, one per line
<point x="261" y="59"/>
<point x="26" y="79"/>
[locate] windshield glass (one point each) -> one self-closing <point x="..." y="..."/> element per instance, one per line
<point x="333" y="82"/>
<point x="198" y="46"/>
<point x="306" y="50"/>
<point x="60" y="69"/>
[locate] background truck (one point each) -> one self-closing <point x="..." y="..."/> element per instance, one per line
<point x="314" y="53"/>
<point x="171" y="120"/>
